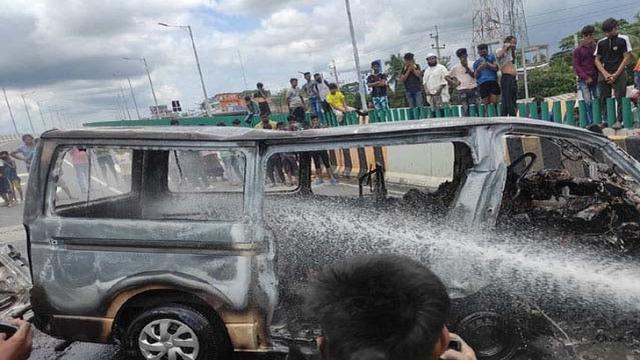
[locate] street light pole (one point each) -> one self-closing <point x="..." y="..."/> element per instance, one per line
<point x="135" y="103"/>
<point x="13" y="120"/>
<point x="26" y="109"/>
<point x="195" y="54"/>
<point x="363" y="98"/>
<point x="41" y="116"/>
<point x="153" y="92"/>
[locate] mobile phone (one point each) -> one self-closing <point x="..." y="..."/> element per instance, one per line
<point x="455" y="344"/>
<point x="7" y="328"/>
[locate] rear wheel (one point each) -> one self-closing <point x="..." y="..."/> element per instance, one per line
<point x="177" y="332"/>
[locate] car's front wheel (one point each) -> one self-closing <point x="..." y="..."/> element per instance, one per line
<point x="177" y="332"/>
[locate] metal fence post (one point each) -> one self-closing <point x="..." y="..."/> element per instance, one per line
<point x="473" y="110"/>
<point x="491" y="110"/>
<point x="597" y="111"/>
<point x="544" y="109"/>
<point x="627" y="116"/>
<point x="582" y="113"/>
<point x="571" y="120"/>
<point x="557" y="112"/>
<point x="533" y="110"/>
<point x="522" y="110"/>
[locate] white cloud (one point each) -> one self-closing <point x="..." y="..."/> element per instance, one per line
<point x="68" y="51"/>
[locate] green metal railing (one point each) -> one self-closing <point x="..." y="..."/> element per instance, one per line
<point x="532" y="110"/>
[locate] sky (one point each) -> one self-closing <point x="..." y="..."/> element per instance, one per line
<point x="65" y="56"/>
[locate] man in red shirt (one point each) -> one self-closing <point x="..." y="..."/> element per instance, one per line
<point x="585" y="68"/>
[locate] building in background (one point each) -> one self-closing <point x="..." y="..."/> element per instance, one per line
<point x="227" y="102"/>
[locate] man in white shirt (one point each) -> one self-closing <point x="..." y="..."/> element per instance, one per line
<point x="435" y="83"/>
<point x="467" y="87"/>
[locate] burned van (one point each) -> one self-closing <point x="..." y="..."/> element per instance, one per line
<point x="201" y="241"/>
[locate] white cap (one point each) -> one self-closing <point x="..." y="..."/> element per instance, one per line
<point x="429" y="55"/>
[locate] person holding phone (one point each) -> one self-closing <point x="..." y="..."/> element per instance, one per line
<point x="411" y="76"/>
<point x="485" y="70"/>
<point x="383" y="306"/>
<point x="509" y="80"/>
<point x="16" y="346"/>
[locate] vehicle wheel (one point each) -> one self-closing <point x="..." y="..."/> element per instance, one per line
<point x="490" y="336"/>
<point x="177" y="332"/>
<point x="492" y="322"/>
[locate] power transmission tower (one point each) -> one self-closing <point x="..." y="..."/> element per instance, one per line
<point x="487" y="27"/>
<point x="515" y="21"/>
<point x="437" y="46"/>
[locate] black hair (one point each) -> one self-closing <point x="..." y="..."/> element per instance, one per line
<point x="588" y="30"/>
<point x="314" y="116"/>
<point x="306" y="73"/>
<point x="236" y="122"/>
<point x="221" y="124"/>
<point x="4" y="152"/>
<point x="379" y="304"/>
<point x="376" y="62"/>
<point x="316" y="74"/>
<point x="483" y="47"/>
<point x="293" y="79"/>
<point x="408" y="56"/>
<point x="595" y="128"/>
<point x="460" y="52"/>
<point x="333" y="86"/>
<point x="609" y="24"/>
<point x="247" y="98"/>
<point x="259" y="85"/>
<point x="27" y="135"/>
<point x="174" y="122"/>
<point x="509" y="38"/>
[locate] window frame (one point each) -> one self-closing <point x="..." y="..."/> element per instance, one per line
<point x="248" y="150"/>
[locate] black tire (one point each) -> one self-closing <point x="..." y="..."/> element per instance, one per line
<point x="212" y="338"/>
<point x="491" y="322"/>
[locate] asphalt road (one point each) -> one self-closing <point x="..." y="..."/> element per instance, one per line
<point x="11" y="232"/>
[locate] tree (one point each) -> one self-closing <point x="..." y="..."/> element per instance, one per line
<point x="394" y="70"/>
<point x="555" y="79"/>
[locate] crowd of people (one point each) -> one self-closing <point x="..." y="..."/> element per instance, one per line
<point x="10" y="182"/>
<point x="492" y="78"/>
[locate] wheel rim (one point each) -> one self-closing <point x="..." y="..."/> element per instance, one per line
<point x="168" y="339"/>
<point x="489" y="335"/>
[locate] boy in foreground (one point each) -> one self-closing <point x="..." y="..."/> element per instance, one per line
<point x="387" y="307"/>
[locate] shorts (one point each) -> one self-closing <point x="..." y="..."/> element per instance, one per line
<point x="489" y="88"/>
<point x="5" y="187"/>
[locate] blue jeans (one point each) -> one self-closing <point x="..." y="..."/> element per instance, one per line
<point x="636" y="79"/>
<point x="316" y="105"/>
<point x="414" y="99"/>
<point x="381" y="102"/>
<point x="589" y="92"/>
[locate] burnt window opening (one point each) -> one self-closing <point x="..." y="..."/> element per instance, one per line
<point x="572" y="189"/>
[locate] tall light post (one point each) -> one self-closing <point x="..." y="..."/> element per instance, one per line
<point x="356" y="57"/>
<point x="153" y="92"/>
<point x="13" y="120"/>
<point x="26" y="109"/>
<point x="135" y="103"/>
<point x="195" y="54"/>
<point x="41" y="115"/>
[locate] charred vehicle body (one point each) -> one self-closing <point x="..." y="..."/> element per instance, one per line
<point x="162" y="240"/>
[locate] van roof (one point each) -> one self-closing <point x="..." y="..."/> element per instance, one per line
<point x="241" y="134"/>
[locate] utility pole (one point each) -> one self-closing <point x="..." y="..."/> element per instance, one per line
<point x="133" y="96"/>
<point x="356" y="58"/>
<point x="26" y="109"/>
<point x="437" y="46"/>
<point x="335" y="72"/>
<point x="124" y="101"/>
<point x="153" y="92"/>
<point x="244" y="76"/>
<point x="41" y="116"/>
<point x="13" y="120"/>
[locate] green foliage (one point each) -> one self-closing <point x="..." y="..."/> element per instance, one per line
<point x="396" y="91"/>
<point x="555" y="79"/>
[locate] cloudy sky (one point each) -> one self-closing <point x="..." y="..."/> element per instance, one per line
<point x="66" y="54"/>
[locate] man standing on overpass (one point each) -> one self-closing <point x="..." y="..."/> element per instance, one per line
<point x="612" y="56"/>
